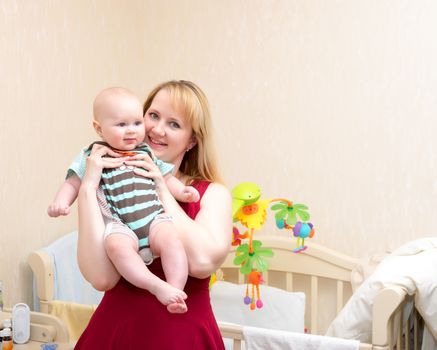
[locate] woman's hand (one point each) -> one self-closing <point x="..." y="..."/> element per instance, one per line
<point x="97" y="161"/>
<point x="145" y="166"/>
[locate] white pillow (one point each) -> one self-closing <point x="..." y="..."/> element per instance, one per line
<point x="282" y="310"/>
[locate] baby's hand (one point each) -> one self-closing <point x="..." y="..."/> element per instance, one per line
<point x="190" y="194"/>
<point x="56" y="209"/>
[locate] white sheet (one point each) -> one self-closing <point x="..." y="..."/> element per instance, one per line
<point x="262" y="339"/>
<point x="412" y="267"/>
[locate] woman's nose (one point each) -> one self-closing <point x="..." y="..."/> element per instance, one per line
<point x="159" y="129"/>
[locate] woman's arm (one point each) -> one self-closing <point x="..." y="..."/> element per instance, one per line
<point x="207" y="239"/>
<point x="92" y="258"/>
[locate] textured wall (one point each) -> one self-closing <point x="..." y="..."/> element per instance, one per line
<point x="329" y="103"/>
<point x="55" y="56"/>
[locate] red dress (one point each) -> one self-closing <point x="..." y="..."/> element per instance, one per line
<point x="130" y="318"/>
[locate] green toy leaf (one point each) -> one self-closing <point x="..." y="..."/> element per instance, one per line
<point x="239" y="259"/>
<point x="242" y="254"/>
<point x="278" y="206"/>
<point x="256" y="244"/>
<point x="247" y="267"/>
<point x="300" y="206"/>
<point x="304" y="215"/>
<point x="265" y="252"/>
<point x="292" y="218"/>
<point x="280" y="215"/>
<point x="261" y="263"/>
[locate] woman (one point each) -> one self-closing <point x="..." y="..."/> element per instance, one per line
<point x="179" y="132"/>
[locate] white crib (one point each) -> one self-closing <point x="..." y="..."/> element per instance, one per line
<point x="305" y="271"/>
<point x="317" y="264"/>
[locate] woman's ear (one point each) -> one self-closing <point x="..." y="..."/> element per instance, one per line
<point x="97" y="127"/>
<point x="193" y="142"/>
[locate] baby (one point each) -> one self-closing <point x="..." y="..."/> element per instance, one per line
<point x="138" y="223"/>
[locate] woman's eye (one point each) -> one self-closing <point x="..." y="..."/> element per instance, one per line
<point x="153" y="116"/>
<point x="175" y="125"/>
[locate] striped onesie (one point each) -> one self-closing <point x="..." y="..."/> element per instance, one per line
<point x="131" y="198"/>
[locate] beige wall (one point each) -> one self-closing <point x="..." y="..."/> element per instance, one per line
<point x="329" y="103"/>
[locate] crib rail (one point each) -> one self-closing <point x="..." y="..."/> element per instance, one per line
<point x="389" y="331"/>
<point x="317" y="263"/>
<point x="399" y="325"/>
<point x="43" y="269"/>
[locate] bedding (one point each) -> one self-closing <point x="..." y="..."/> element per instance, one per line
<point x="412" y="266"/>
<point x="261" y="339"/>
<point x="282" y="310"/>
<point x="75" y="316"/>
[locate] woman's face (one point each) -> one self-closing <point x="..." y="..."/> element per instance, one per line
<point x="168" y="132"/>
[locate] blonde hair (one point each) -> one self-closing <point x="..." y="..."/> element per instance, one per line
<point x="200" y="162"/>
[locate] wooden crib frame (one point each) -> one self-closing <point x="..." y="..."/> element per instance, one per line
<point x="316" y="263"/>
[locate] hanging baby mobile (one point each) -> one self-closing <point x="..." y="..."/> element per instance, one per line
<point x="251" y="211"/>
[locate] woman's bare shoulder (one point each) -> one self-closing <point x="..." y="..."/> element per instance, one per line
<point x="217" y="191"/>
<point x="217" y="199"/>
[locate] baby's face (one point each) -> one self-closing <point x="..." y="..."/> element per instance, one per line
<point x="121" y="124"/>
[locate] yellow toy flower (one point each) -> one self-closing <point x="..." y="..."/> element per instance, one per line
<point x="253" y="215"/>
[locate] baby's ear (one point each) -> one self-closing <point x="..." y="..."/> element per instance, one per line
<point x="97" y="127"/>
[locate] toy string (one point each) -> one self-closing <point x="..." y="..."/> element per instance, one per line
<point x="290" y="203"/>
<point x="250" y="241"/>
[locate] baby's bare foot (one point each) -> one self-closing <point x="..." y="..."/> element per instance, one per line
<point x="177" y="308"/>
<point x="167" y="294"/>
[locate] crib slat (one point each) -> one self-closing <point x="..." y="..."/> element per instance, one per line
<point x="415" y="331"/>
<point x="340" y="296"/>
<point x="391" y="334"/>
<point x="314" y="306"/>
<point x="407" y="334"/>
<point x="289" y="281"/>
<point x="399" y="337"/>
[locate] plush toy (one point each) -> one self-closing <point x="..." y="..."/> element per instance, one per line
<point x="251" y="211"/>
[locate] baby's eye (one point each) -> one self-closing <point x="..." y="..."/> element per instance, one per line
<point x="121" y="124"/>
<point x="138" y="123"/>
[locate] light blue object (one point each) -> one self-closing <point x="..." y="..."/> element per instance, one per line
<point x="49" y="346"/>
<point x="69" y="282"/>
